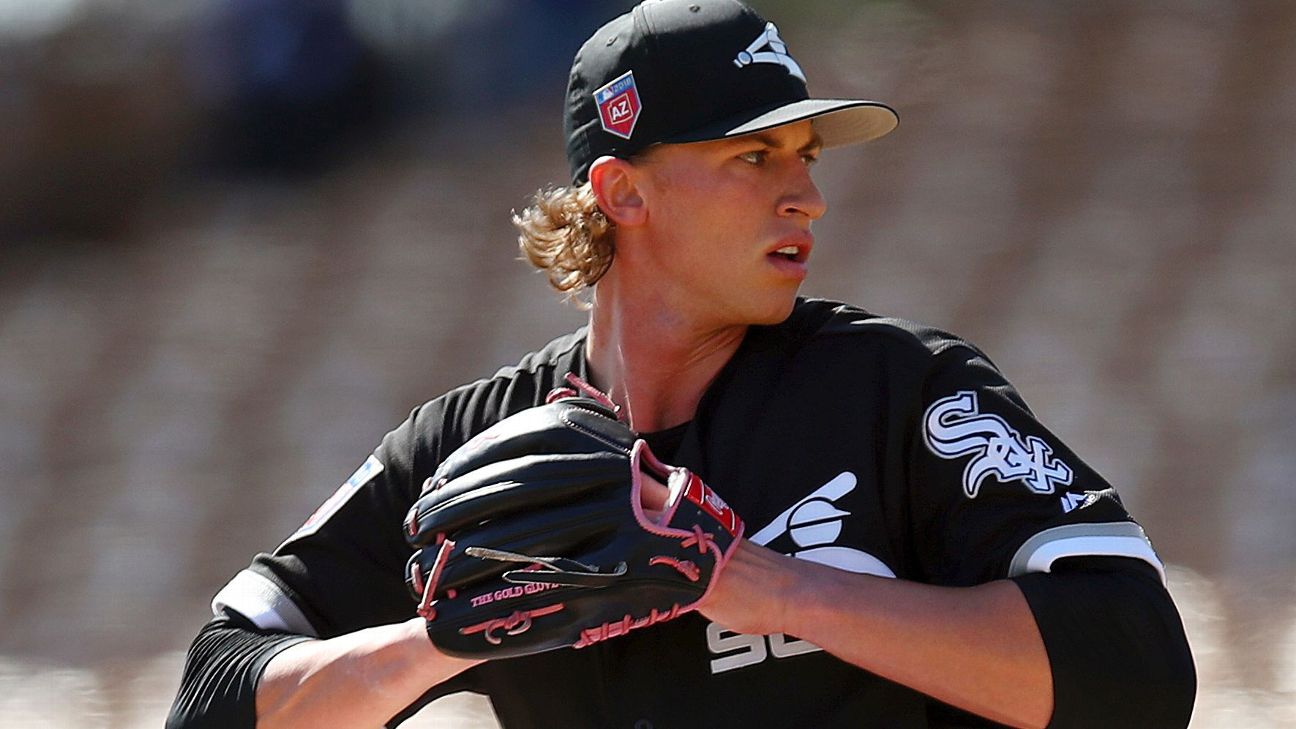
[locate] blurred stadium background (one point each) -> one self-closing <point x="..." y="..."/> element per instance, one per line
<point x="240" y="239"/>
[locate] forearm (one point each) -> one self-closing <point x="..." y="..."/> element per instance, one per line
<point x="354" y="680"/>
<point x="977" y="648"/>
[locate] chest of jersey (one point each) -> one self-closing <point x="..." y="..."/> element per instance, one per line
<point x="808" y="471"/>
<point x="814" y="466"/>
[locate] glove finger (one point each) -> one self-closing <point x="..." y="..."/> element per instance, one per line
<point x="574" y="425"/>
<point x="518" y="485"/>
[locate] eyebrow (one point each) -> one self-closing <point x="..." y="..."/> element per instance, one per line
<point x="814" y="145"/>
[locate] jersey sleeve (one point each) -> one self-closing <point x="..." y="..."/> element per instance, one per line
<point x="1115" y="642"/>
<point x="224" y="663"/>
<point x="343" y="569"/>
<point x="993" y="493"/>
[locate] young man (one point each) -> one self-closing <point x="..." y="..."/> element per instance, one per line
<point x="922" y="552"/>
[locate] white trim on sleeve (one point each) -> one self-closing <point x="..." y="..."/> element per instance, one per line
<point x="1113" y="539"/>
<point x="260" y="600"/>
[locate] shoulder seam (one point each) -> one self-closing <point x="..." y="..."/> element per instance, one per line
<point x="507" y="372"/>
<point x="904" y="332"/>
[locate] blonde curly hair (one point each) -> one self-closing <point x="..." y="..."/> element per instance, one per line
<point x="565" y="234"/>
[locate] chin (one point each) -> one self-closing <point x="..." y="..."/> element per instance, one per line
<point x="774" y="312"/>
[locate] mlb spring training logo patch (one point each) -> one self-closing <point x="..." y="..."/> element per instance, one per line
<point x="363" y="475"/>
<point x="618" y="105"/>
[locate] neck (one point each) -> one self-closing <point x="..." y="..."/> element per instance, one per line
<point x="652" y="361"/>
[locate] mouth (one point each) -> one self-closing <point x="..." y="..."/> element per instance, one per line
<point x="791" y="253"/>
<point x="793" y="249"/>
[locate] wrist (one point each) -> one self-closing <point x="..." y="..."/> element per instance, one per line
<point x="420" y="644"/>
<point x="758" y="592"/>
<point x="810" y="594"/>
<point x="797" y="599"/>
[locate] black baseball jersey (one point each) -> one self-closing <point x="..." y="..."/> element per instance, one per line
<point x="869" y="444"/>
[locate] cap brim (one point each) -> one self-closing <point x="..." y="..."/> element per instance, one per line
<point x="837" y="121"/>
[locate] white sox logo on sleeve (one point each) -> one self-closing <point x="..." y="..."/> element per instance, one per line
<point x="954" y="427"/>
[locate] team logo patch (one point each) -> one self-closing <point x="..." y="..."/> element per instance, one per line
<point x="955" y="427"/>
<point x="363" y="475"/>
<point x="618" y="105"/>
<point x="769" y="48"/>
<point x="814" y="524"/>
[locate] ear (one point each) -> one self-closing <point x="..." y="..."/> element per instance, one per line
<point x="615" y="185"/>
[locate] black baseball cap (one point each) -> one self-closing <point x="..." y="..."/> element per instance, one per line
<point x="693" y="70"/>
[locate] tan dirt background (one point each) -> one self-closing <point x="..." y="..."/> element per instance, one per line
<point x="1099" y="194"/>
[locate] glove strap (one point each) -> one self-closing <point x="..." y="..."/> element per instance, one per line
<point x="581" y="387"/>
<point x="427" y="605"/>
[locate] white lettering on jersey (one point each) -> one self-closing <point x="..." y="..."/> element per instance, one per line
<point x="1071" y="502"/>
<point x="739" y="650"/>
<point x="742" y="649"/>
<point x="813" y="523"/>
<point x="777" y="52"/>
<point x="954" y="427"/>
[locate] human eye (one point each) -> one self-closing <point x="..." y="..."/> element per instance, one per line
<point x="809" y="159"/>
<point x="755" y="156"/>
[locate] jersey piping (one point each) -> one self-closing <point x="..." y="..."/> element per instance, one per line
<point x="1116" y="539"/>
<point x="261" y="601"/>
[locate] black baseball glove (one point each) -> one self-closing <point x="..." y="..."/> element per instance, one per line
<point x="543" y="532"/>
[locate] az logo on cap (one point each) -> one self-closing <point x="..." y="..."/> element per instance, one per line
<point x="618" y="105"/>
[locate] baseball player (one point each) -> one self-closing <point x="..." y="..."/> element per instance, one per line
<point x="718" y="504"/>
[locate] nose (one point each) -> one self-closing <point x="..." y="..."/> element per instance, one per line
<point x="802" y="196"/>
